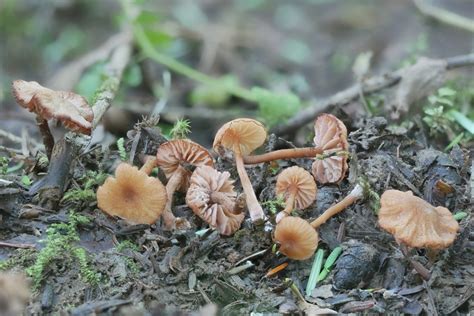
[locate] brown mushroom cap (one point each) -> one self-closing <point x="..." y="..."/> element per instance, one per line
<point x="205" y="184"/>
<point x="301" y="182"/>
<point x="331" y="136"/>
<point x="241" y="135"/>
<point x="415" y="222"/>
<point x="180" y="152"/>
<point x="69" y="108"/>
<point x="297" y="239"/>
<point x="132" y="195"/>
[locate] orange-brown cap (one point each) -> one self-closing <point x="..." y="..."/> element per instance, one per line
<point x="331" y="136"/>
<point x="297" y="239"/>
<point x="69" y="108"/>
<point x="211" y="196"/>
<point x="182" y="152"/>
<point x="132" y="195"/>
<point x="298" y="181"/>
<point x="415" y="222"/>
<point x="241" y="135"/>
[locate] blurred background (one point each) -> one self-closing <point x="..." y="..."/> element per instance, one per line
<point x="305" y="47"/>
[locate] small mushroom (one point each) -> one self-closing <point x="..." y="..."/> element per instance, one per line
<point x="298" y="188"/>
<point x="331" y="137"/>
<point x="416" y="223"/>
<point x="297" y="239"/>
<point x="69" y="108"/>
<point x="242" y="136"/>
<point x="176" y="158"/>
<point x="330" y="140"/>
<point x="211" y="196"/>
<point x="132" y="195"/>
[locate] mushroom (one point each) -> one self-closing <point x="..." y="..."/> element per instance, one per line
<point x="175" y="158"/>
<point x="132" y="195"/>
<point x="297" y="239"/>
<point x="416" y="223"/>
<point x="298" y="188"/>
<point x="242" y="136"/>
<point x="211" y="196"/>
<point x="69" y="108"/>
<point x="331" y="137"/>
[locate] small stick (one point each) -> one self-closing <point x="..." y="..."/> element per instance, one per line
<point x="23" y="246"/>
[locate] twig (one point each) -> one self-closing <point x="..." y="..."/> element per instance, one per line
<point x="69" y="75"/>
<point x="23" y="246"/>
<point x="370" y="85"/>
<point x="10" y="136"/>
<point x="444" y="16"/>
<point x="51" y="187"/>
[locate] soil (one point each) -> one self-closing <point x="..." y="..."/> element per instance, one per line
<point x="190" y="272"/>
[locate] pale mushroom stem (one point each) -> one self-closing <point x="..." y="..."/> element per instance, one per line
<point x="149" y="165"/>
<point x="255" y="210"/>
<point x="289" y="206"/>
<point x="48" y="139"/>
<point x="283" y="154"/>
<point x="173" y="183"/>
<point x="222" y="199"/>
<point x="355" y="194"/>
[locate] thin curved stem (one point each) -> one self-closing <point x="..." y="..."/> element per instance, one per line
<point x="255" y="210"/>
<point x="48" y="139"/>
<point x="174" y="182"/>
<point x="355" y="194"/>
<point x="283" y="154"/>
<point x="289" y="206"/>
<point x="149" y="165"/>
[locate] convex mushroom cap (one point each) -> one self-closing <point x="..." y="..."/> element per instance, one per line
<point x="331" y="137"/>
<point x="415" y="222"/>
<point x="298" y="188"/>
<point x="69" y="108"/>
<point x="211" y="196"/>
<point x="132" y="195"/>
<point x="296" y="237"/>
<point x="241" y="136"/>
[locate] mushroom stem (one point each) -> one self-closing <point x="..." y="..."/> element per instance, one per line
<point x="48" y="139"/>
<point x="173" y="183"/>
<point x="222" y="199"/>
<point x="289" y="206"/>
<point x="255" y="210"/>
<point x="283" y="154"/>
<point x="149" y="164"/>
<point x="355" y="194"/>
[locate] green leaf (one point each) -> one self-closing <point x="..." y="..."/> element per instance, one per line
<point x="90" y="80"/>
<point x="26" y="181"/>
<point x="315" y="270"/>
<point x="275" y="108"/>
<point x="446" y="92"/>
<point x="158" y="38"/>
<point x="214" y="96"/>
<point x="462" y="120"/>
<point x="147" y="18"/>
<point x="133" y="75"/>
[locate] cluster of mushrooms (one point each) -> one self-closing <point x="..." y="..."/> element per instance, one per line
<point x="139" y="198"/>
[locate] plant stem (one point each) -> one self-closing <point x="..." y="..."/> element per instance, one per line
<point x="283" y="154"/>
<point x="178" y="67"/>
<point x="255" y="210"/>
<point x="355" y="194"/>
